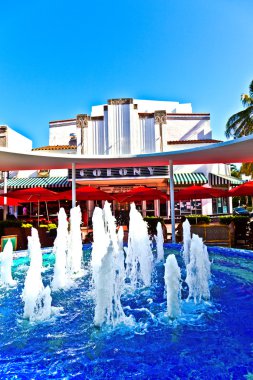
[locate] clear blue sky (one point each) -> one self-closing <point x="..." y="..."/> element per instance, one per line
<point x="58" y="58"/>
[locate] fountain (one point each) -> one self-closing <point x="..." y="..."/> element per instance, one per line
<point x="172" y="278"/>
<point x="75" y="251"/>
<point x="108" y="272"/>
<point x="132" y="320"/>
<point x="6" y="262"/>
<point x="159" y="242"/>
<point x="198" y="270"/>
<point x="60" y="278"/>
<point x="186" y="241"/>
<point x="36" y="297"/>
<point x="139" y="260"/>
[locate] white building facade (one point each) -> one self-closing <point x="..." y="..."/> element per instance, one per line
<point x="131" y="126"/>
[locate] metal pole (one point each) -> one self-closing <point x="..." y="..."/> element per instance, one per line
<point x="47" y="211"/>
<point x="5" y="199"/>
<point x="38" y="213"/>
<point x="172" y="204"/>
<point x="73" y="184"/>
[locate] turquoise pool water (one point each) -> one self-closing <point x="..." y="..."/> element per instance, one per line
<point x="211" y="340"/>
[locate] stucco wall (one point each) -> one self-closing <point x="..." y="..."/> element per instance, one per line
<point x="18" y="142"/>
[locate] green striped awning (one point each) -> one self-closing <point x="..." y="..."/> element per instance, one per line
<point x="189" y="178"/>
<point x="23" y="183"/>
<point x="221" y="179"/>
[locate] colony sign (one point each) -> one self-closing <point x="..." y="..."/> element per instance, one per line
<point x="107" y="173"/>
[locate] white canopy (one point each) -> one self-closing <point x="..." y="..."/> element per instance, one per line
<point x="235" y="151"/>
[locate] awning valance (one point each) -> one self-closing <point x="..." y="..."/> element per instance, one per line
<point x="189" y="178"/>
<point x="23" y="183"/>
<point x="221" y="179"/>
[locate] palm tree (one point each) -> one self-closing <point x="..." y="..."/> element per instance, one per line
<point x="234" y="171"/>
<point x="247" y="168"/>
<point x="241" y="123"/>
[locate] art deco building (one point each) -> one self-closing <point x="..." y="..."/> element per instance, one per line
<point x="132" y="126"/>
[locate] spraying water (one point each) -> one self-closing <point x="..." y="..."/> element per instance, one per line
<point x="60" y="278"/>
<point x="159" y="242"/>
<point x="36" y="297"/>
<point x="75" y="247"/>
<point x="107" y="270"/>
<point x="6" y="262"/>
<point x="117" y="242"/>
<point x="186" y="241"/>
<point x="198" y="270"/>
<point x="172" y="278"/>
<point x="139" y="254"/>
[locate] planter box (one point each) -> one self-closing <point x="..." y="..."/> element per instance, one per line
<point x="214" y="234"/>
<point x="21" y="236"/>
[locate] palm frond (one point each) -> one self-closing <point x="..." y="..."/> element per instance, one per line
<point x="246" y="100"/>
<point x="251" y="89"/>
<point x="240" y="124"/>
<point x="247" y="168"/>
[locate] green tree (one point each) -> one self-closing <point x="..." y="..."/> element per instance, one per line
<point x="247" y="168"/>
<point x="241" y="123"/>
<point x="234" y="171"/>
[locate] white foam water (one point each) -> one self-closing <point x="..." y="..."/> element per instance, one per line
<point x="186" y="241"/>
<point x="36" y="297"/>
<point x="107" y="264"/>
<point x="75" y="247"/>
<point x="198" y="270"/>
<point x="172" y="279"/>
<point x="6" y="262"/>
<point x="139" y="259"/>
<point x="61" y="279"/>
<point x="159" y="242"/>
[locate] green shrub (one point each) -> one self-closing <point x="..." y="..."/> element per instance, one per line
<point x="226" y="219"/>
<point x="198" y="219"/>
<point x="237" y="219"/>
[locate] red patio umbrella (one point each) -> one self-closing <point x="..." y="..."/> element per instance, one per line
<point x="199" y="192"/>
<point x="87" y="193"/>
<point x="140" y="194"/>
<point x="34" y="194"/>
<point x="244" y="189"/>
<point x="10" y="202"/>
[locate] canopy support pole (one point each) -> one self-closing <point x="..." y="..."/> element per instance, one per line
<point x="47" y="211"/>
<point x="5" y="211"/>
<point x="73" y="184"/>
<point x="172" y="204"/>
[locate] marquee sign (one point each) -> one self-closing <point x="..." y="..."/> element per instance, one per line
<point x="121" y="172"/>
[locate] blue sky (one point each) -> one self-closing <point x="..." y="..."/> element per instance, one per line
<point x="58" y="58"/>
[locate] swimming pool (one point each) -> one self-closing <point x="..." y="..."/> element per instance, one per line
<point x="210" y="340"/>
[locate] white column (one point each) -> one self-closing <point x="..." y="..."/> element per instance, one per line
<point x="157" y="207"/>
<point x="144" y="209"/>
<point x="73" y="184"/>
<point x="172" y="204"/>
